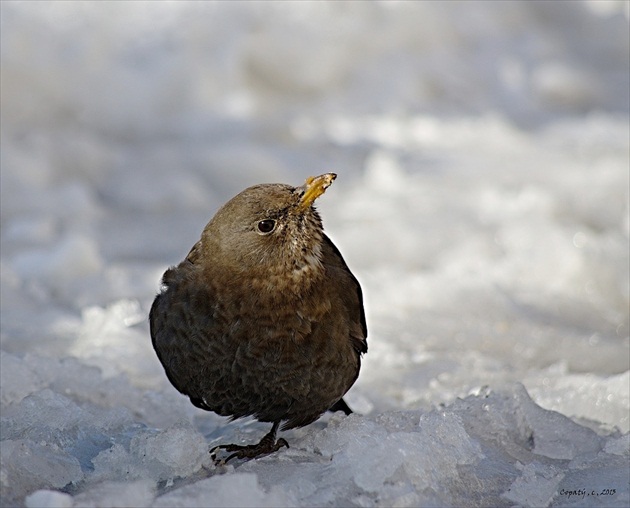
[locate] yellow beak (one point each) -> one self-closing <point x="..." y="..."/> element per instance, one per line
<point x="314" y="187"/>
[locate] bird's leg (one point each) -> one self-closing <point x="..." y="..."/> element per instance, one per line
<point x="265" y="446"/>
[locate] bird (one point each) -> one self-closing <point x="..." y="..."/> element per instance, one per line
<point x="263" y="317"/>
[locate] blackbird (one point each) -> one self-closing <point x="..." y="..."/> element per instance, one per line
<point x="263" y="318"/>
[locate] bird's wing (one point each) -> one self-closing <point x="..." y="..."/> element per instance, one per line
<point x="180" y="323"/>
<point x="353" y="298"/>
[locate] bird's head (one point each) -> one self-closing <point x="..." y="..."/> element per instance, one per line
<point x="268" y="230"/>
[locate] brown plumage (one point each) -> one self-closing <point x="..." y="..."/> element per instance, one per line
<point x="263" y="318"/>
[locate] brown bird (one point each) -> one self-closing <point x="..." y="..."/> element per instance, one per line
<point x="263" y="318"/>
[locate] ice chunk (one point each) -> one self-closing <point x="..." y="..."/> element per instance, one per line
<point x="159" y="455"/>
<point x="446" y="456"/>
<point x="605" y="399"/>
<point x="536" y="486"/>
<point x="177" y="451"/>
<point x="601" y="481"/>
<point x="51" y="418"/>
<point x="232" y="490"/>
<point x="139" y="494"/>
<point x="108" y="339"/>
<point x="555" y="435"/>
<point x="618" y="445"/>
<point x="48" y="499"/>
<point x="509" y="416"/>
<point x="17" y="379"/>
<point x="27" y="466"/>
<point x="420" y="450"/>
<point x="354" y="437"/>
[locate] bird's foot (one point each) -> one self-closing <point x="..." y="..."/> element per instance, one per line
<point x="247" y="451"/>
<point x="267" y="445"/>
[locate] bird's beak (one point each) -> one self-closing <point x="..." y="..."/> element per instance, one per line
<point x="314" y="187"/>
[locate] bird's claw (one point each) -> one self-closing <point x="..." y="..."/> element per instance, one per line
<point x="265" y="447"/>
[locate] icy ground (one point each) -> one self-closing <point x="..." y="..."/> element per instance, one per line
<point x="482" y="201"/>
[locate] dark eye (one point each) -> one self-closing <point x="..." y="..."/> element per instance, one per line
<point x="266" y="226"/>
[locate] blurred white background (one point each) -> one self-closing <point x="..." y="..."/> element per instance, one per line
<point x="482" y="201"/>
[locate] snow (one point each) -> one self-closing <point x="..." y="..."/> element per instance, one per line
<point x="482" y="201"/>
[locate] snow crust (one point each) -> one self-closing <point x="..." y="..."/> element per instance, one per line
<point x="482" y="150"/>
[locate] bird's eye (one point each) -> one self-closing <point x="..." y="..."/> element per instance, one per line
<point x="266" y="226"/>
